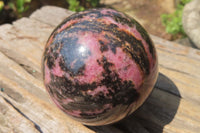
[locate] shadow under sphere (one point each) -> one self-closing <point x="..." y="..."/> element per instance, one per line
<point x="157" y="111"/>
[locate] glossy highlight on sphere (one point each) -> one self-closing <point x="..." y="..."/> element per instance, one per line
<point x="99" y="66"/>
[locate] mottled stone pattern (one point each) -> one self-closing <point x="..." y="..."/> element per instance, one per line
<point x="99" y="65"/>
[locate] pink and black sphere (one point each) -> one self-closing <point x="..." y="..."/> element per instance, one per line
<point x="99" y="66"/>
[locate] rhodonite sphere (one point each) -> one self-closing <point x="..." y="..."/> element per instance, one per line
<point x="99" y="66"/>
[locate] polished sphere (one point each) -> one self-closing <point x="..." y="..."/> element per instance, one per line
<point x="99" y="66"/>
